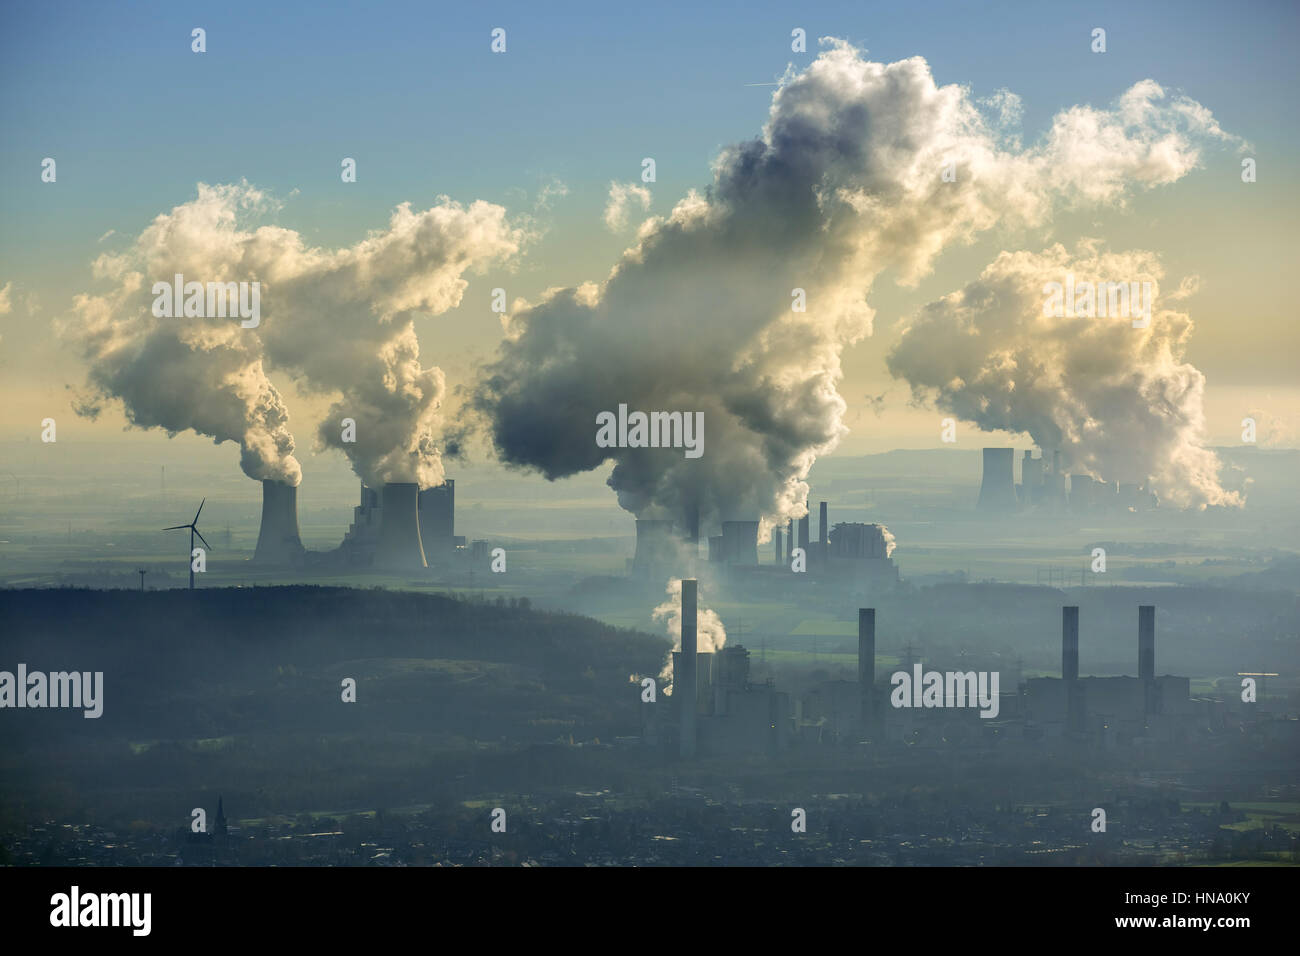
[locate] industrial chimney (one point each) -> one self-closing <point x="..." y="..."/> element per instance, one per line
<point x="998" y="489"/>
<point x="776" y="541"/>
<point x="398" y="546"/>
<point x="866" y="659"/>
<point x="803" y="533"/>
<point x="1074" y="704"/>
<point x="823" y="540"/>
<point x="684" y="685"/>
<point x="277" y="540"/>
<point x="1147" y="642"/>
<point x="1070" y="643"/>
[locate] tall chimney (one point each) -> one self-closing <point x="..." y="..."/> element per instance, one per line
<point x="998" y="487"/>
<point x="684" y="686"/>
<point x="1147" y="642"/>
<point x="278" y="541"/>
<point x="823" y="542"/>
<point x="1070" y="643"/>
<point x="789" y="541"/>
<point x="776" y="540"/>
<point x="803" y="533"/>
<point x="399" y="547"/>
<point x="866" y="658"/>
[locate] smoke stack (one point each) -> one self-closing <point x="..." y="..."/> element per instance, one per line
<point x="399" y="546"/>
<point x="866" y="658"/>
<point x="685" y="691"/>
<point x="824" y="529"/>
<point x="803" y="533"/>
<point x="1070" y="643"/>
<point x="1147" y="642"/>
<point x="789" y="541"/>
<point x="277" y="540"/>
<point x="998" y="488"/>
<point x="776" y="539"/>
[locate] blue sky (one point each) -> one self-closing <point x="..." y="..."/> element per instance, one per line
<point x="412" y="91"/>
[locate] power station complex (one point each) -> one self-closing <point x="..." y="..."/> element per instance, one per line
<point x="851" y="551"/>
<point x="716" y="710"/>
<point x="1043" y="486"/>
<point x="397" y="528"/>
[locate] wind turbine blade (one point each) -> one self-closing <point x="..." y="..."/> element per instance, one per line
<point x="176" y="527"/>
<point x="203" y="539"/>
<point x="199" y="512"/>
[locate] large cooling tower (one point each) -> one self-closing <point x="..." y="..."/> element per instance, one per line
<point x="277" y="540"/>
<point x="438" y="520"/>
<point x="740" y="542"/>
<point x="398" y="547"/>
<point x="656" y="548"/>
<point x="998" y="489"/>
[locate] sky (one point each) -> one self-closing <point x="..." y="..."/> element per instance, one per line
<point x="135" y="121"/>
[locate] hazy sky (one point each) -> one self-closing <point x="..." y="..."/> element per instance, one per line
<point x="135" y="121"/>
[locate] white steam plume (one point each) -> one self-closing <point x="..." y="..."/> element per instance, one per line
<point x="845" y="181"/>
<point x="1118" y="402"/>
<point x="710" y="635"/>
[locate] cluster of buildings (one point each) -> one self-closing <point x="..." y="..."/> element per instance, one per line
<point x="1043" y="486"/>
<point x="716" y="710"/>
<point x="851" y="550"/>
<point x="397" y="527"/>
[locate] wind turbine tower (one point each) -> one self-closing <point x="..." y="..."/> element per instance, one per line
<point x="193" y="526"/>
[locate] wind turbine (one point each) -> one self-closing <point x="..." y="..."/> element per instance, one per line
<point x="193" y="526"/>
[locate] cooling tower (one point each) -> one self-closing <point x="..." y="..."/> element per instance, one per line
<point x="398" y="546"/>
<point x="438" y="520"/>
<point x="655" y="546"/>
<point x="998" y="489"/>
<point x="278" y="541"/>
<point x="685" y="693"/>
<point x="1081" y="492"/>
<point x="740" y="542"/>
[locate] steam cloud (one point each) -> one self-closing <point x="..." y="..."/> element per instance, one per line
<point x="1118" y="402"/>
<point x="201" y="375"/>
<point x="341" y="321"/>
<point x="844" y="182"/>
<point x="711" y="636"/>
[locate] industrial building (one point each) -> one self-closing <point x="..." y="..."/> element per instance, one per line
<point x="389" y="526"/>
<point x="1110" y="710"/>
<point x="1043" y="487"/>
<point x="716" y="709"/>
